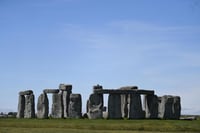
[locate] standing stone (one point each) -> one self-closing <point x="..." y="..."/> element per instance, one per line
<point x="66" y="91"/>
<point x="75" y="106"/>
<point x="95" y="106"/>
<point x="169" y="107"/>
<point x="29" y="111"/>
<point x="124" y="105"/>
<point x="21" y="106"/>
<point x="57" y="106"/>
<point x="43" y="106"/>
<point x="151" y="106"/>
<point x="135" y="107"/>
<point x="114" y="106"/>
<point x="177" y="107"/>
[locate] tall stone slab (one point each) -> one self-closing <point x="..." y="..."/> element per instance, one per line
<point x="21" y="106"/>
<point x="169" y="107"/>
<point x="29" y="111"/>
<point x="114" y="106"/>
<point x="57" y="106"/>
<point x="95" y="106"/>
<point x="124" y="105"/>
<point x="135" y="107"/>
<point x="177" y="107"/>
<point x="66" y="91"/>
<point x="75" y="106"/>
<point x="151" y="106"/>
<point x="43" y="106"/>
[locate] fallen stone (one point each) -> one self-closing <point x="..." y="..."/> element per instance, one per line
<point x="21" y="106"/>
<point x="51" y="91"/>
<point x="27" y="92"/>
<point x="29" y="111"/>
<point x="43" y="106"/>
<point x="75" y="106"/>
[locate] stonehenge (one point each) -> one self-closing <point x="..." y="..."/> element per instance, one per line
<point x="26" y="104"/>
<point x="123" y="103"/>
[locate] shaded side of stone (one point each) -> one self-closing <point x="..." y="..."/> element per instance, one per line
<point x="43" y="106"/>
<point x="135" y="107"/>
<point x="177" y="107"/>
<point x="114" y="106"/>
<point x="75" y="106"/>
<point x="95" y="106"/>
<point x="151" y="106"/>
<point x="57" y="106"/>
<point x="29" y="111"/>
<point x="169" y="107"/>
<point x="21" y="106"/>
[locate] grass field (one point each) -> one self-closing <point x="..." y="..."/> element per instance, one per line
<point x="8" y="125"/>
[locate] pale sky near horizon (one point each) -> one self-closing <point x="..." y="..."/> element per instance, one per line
<point x="153" y="44"/>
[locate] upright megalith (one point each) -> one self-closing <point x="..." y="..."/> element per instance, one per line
<point x="43" y="106"/>
<point x="169" y="107"/>
<point x="177" y="107"/>
<point x="29" y="111"/>
<point x="151" y="106"/>
<point x="95" y="105"/>
<point x="114" y="106"/>
<point x="75" y="106"/>
<point x="21" y="106"/>
<point x="124" y="100"/>
<point x="57" y="106"/>
<point x="26" y="104"/>
<point x="66" y="90"/>
<point x="135" y="107"/>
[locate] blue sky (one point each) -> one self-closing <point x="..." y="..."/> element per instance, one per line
<point x="152" y="44"/>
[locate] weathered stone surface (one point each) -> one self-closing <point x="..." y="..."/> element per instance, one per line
<point x="65" y="87"/>
<point x="151" y="106"/>
<point x="29" y="111"/>
<point x="114" y="106"/>
<point x="27" y="92"/>
<point x="124" y="105"/>
<point x="177" y="107"/>
<point x="66" y="99"/>
<point x="75" y="106"/>
<point x="135" y="107"/>
<point x="51" y="91"/>
<point x="128" y="88"/>
<point x="43" y="106"/>
<point x="95" y="106"/>
<point x="97" y="87"/>
<point x="21" y="106"/>
<point x="169" y="107"/>
<point x="57" y="106"/>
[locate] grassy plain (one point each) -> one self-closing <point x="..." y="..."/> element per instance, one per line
<point x="8" y="125"/>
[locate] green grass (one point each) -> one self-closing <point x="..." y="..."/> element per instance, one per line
<point x="95" y="126"/>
